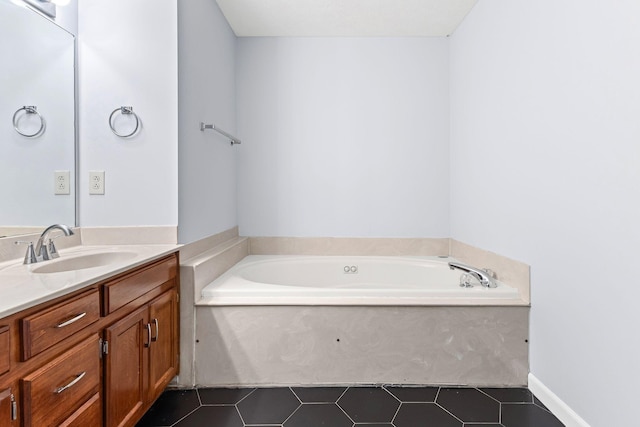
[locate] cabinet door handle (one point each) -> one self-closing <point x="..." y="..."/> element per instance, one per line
<point x="72" y="320"/>
<point x="155" y="338"/>
<point x="71" y="384"/>
<point x="148" y="343"/>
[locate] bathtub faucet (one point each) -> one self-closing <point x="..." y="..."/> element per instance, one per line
<point x="484" y="277"/>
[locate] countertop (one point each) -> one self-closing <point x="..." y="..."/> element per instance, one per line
<point x="21" y="287"/>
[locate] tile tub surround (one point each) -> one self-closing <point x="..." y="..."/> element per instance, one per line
<point x="514" y="273"/>
<point x="511" y="272"/>
<point x="210" y="330"/>
<point x="268" y="346"/>
<point x="367" y="246"/>
<point x="200" y="263"/>
<point x="350" y="407"/>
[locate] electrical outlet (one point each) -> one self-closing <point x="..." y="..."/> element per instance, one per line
<point x="61" y="182"/>
<point x="96" y="182"/>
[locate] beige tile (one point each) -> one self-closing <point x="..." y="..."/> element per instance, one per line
<point x="196" y="248"/>
<point x="348" y="246"/>
<point x="509" y="271"/>
<point x="187" y="328"/>
<point x="134" y="235"/>
<point x="196" y="272"/>
<point x="212" y="267"/>
<point x="482" y="346"/>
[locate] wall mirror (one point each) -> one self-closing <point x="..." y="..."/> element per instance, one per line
<point x="37" y="121"/>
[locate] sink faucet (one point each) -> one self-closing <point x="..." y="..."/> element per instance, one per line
<point x="47" y="250"/>
<point x="483" y="276"/>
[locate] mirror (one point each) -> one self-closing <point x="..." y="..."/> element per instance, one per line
<point x="37" y="71"/>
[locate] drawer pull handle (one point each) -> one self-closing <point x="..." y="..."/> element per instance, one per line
<point x="70" y="321"/>
<point x="155" y="322"/>
<point x="71" y="384"/>
<point x="148" y="343"/>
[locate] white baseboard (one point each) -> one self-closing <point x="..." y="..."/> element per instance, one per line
<point x="557" y="407"/>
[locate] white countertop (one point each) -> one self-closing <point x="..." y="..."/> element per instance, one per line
<point x="21" y="287"/>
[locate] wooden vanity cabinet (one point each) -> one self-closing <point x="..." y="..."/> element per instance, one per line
<point x="95" y="357"/>
<point x="142" y="352"/>
<point x="141" y="360"/>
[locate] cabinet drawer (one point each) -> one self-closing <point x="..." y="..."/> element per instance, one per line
<point x="89" y="414"/>
<point x="5" y="354"/>
<point x="54" y="392"/>
<point x="120" y="292"/>
<point x="46" y="328"/>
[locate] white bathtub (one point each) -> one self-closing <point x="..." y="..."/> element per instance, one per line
<point x="348" y="280"/>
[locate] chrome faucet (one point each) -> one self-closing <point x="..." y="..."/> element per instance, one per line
<point x="485" y="277"/>
<point x="46" y="250"/>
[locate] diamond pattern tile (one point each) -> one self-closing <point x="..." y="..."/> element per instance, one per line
<point x="319" y="394"/>
<point x="369" y="405"/>
<point x="212" y="416"/>
<point x="414" y="394"/>
<point x="268" y="406"/>
<point x="356" y="407"/>
<point x="223" y="396"/>
<point x="415" y="415"/>
<point x="170" y="407"/>
<point x="509" y="395"/>
<point x="469" y="404"/>
<point x="515" y="415"/>
<point x="319" y="415"/>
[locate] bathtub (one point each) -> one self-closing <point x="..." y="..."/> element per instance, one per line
<point x="348" y="280"/>
<point x="351" y="320"/>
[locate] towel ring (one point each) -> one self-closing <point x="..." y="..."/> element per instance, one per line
<point x="124" y="111"/>
<point x="28" y="109"/>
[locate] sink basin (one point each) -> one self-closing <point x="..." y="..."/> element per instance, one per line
<point x="82" y="262"/>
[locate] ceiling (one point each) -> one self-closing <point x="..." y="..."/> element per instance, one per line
<point x="360" y="18"/>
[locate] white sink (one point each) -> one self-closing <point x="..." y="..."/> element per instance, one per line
<point x="82" y="262"/>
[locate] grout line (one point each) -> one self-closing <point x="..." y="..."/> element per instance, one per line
<point x="186" y="416"/>
<point x="291" y="414"/>
<point x="392" y="395"/>
<point x="294" y="393"/>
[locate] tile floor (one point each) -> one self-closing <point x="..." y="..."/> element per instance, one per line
<point x="349" y="407"/>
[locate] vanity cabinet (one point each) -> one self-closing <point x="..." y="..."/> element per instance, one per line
<point x="141" y="359"/>
<point x="99" y="356"/>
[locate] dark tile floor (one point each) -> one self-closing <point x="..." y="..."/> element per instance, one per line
<point x="349" y="407"/>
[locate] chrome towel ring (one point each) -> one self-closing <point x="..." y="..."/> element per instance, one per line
<point x="28" y="109"/>
<point x="124" y="111"/>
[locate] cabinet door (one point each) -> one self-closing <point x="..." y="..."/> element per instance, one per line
<point x="126" y="364"/>
<point x="163" y="353"/>
<point x="5" y="408"/>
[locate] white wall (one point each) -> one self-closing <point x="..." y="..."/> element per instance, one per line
<point x="207" y="163"/>
<point x="343" y="137"/>
<point x="128" y="57"/>
<point x="545" y="142"/>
